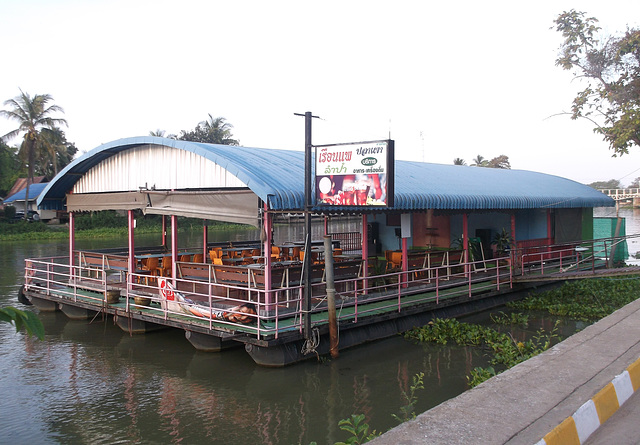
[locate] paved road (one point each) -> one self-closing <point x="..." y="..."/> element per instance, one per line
<point x="523" y="404"/>
<point x="622" y="428"/>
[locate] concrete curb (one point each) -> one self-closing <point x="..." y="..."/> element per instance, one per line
<point x="577" y="428"/>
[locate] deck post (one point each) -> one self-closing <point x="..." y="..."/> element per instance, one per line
<point x="205" y="241"/>
<point x="72" y="244"/>
<point x="514" y="248"/>
<point x="306" y="309"/>
<point x="331" y="298"/>
<point x="131" y="244"/>
<point x="465" y="242"/>
<point x="267" y="224"/>
<point x="365" y="254"/>
<point x="174" y="248"/>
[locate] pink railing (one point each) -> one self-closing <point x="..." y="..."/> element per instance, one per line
<point x="279" y="309"/>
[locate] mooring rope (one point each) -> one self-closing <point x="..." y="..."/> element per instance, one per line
<point x="311" y="344"/>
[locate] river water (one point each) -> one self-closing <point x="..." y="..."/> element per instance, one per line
<point x="89" y="382"/>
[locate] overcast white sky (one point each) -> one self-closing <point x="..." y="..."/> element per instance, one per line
<point x="444" y="79"/>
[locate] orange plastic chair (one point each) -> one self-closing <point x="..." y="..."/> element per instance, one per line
<point x="198" y="258"/>
<point x="275" y="253"/>
<point x="165" y="269"/>
<point x="150" y="264"/>
<point x="185" y="258"/>
<point x="395" y="261"/>
<point x="217" y="261"/>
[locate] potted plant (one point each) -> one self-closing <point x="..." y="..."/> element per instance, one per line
<point x="502" y="242"/>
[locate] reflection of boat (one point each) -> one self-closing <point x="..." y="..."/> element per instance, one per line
<point x="162" y="350"/>
<point x="53" y="322"/>
<point x="86" y="333"/>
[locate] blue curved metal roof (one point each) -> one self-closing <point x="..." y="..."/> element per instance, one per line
<point x="277" y="177"/>
<point x="34" y="191"/>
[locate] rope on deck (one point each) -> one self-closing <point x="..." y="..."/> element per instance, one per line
<point x="311" y="344"/>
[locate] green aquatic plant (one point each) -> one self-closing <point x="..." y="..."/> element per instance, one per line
<point x="358" y="428"/>
<point x="504" y="349"/>
<point x="408" y="411"/>
<point x="515" y="318"/>
<point x="586" y="300"/>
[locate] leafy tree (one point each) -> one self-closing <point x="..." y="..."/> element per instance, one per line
<point x="610" y="66"/>
<point x="635" y="184"/>
<point x="501" y="161"/>
<point x="480" y="161"/>
<point x="459" y="161"/>
<point x="610" y="184"/>
<point x="162" y="134"/>
<point x="215" y="130"/>
<point x="9" y="168"/>
<point x="23" y="319"/>
<point x="33" y="115"/>
<point x="53" y="152"/>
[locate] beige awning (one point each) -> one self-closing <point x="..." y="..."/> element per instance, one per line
<point x="92" y="202"/>
<point x="236" y="206"/>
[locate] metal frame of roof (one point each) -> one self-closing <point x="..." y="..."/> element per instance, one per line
<point x="277" y="177"/>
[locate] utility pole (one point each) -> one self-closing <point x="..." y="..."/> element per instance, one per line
<point x="306" y="264"/>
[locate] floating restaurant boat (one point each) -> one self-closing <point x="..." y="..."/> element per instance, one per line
<point x="275" y="297"/>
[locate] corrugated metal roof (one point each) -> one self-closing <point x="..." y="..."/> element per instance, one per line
<point x="34" y="192"/>
<point x="423" y="186"/>
<point x="277" y="176"/>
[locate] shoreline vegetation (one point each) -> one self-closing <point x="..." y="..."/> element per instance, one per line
<point x="105" y="224"/>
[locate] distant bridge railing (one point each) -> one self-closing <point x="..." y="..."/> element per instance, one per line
<point x="622" y="194"/>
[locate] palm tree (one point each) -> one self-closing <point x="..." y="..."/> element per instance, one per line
<point x="479" y="161"/>
<point x="33" y="115"/>
<point x="459" y="161"/>
<point x="53" y="152"/>
<point x="215" y="130"/>
<point x="158" y="133"/>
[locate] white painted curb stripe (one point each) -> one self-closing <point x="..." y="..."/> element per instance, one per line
<point x="587" y="420"/>
<point x="586" y="417"/>
<point x="623" y="386"/>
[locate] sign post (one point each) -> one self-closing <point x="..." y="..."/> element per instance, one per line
<point x="306" y="264"/>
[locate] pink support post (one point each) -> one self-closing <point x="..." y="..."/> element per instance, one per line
<point x="131" y="244"/>
<point x="405" y="261"/>
<point x="205" y="242"/>
<point x="365" y="253"/>
<point x="72" y="244"/>
<point x="174" y="248"/>
<point x="549" y="232"/>
<point x="514" y="251"/>
<point x="267" y="226"/>
<point x="465" y="241"/>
